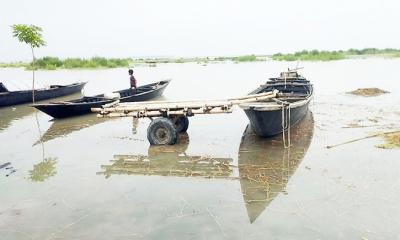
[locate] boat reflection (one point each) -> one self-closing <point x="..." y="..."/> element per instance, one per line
<point x="265" y="166"/>
<point x="16" y="112"/>
<point x="10" y="114"/>
<point x="170" y="160"/>
<point x="64" y="127"/>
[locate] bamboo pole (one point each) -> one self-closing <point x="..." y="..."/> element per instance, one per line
<point x="178" y="104"/>
<point x="161" y="113"/>
<point x="184" y="105"/>
<point x="359" y="139"/>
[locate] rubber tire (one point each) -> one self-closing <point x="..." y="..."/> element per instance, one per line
<point x="162" y="131"/>
<point x="181" y="124"/>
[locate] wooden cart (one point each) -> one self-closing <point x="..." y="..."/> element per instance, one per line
<point x="171" y="117"/>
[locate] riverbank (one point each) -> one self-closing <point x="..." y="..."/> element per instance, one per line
<point x="53" y="63"/>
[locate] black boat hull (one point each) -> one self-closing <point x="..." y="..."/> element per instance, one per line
<point x="285" y="110"/>
<point x="83" y="106"/>
<point x="19" y="97"/>
<point x="65" y="110"/>
<point x="269" y="123"/>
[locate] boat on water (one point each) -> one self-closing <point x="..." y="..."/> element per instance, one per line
<point x="265" y="166"/>
<point x="8" y="98"/>
<point x="83" y="105"/>
<point x="278" y="114"/>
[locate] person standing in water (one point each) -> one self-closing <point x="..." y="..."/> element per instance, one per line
<point x="132" y="79"/>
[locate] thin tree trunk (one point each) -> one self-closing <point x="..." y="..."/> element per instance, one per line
<point x="33" y="75"/>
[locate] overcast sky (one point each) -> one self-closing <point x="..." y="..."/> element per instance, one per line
<point x="132" y="28"/>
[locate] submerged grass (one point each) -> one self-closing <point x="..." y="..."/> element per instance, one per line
<point x="392" y="140"/>
<point x="368" y="92"/>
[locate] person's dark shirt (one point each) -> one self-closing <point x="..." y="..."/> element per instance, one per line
<point x="133" y="81"/>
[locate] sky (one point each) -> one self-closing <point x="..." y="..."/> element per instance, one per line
<point x="175" y="28"/>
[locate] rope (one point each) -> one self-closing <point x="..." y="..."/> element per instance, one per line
<point x="286" y="124"/>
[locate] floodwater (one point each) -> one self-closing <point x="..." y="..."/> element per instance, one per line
<point x="89" y="178"/>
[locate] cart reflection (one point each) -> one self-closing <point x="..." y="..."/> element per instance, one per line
<point x="169" y="160"/>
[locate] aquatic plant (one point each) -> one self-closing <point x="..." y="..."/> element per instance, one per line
<point x="31" y="35"/>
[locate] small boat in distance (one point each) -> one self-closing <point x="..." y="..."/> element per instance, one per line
<point x="83" y="105"/>
<point x="8" y="98"/>
<point x="284" y="111"/>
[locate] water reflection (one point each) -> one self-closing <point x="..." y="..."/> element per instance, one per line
<point x="43" y="170"/>
<point x="169" y="161"/>
<point x="63" y="127"/>
<point x="9" y="114"/>
<point x="16" y="112"/>
<point x="7" y="169"/>
<point x="265" y="166"/>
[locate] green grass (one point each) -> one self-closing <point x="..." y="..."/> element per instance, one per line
<point x="316" y="55"/>
<point x="13" y="65"/>
<point x="245" y="58"/>
<point x="313" y="55"/>
<point x="373" y="51"/>
<point x="53" y="63"/>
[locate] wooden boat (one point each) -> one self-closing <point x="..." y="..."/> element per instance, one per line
<point x="265" y="166"/>
<point x="8" y="98"/>
<point x="284" y="111"/>
<point x="83" y="105"/>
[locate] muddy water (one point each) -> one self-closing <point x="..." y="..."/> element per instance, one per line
<point x="89" y="178"/>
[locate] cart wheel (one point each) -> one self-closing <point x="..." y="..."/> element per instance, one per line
<point x="181" y="124"/>
<point x="161" y="131"/>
